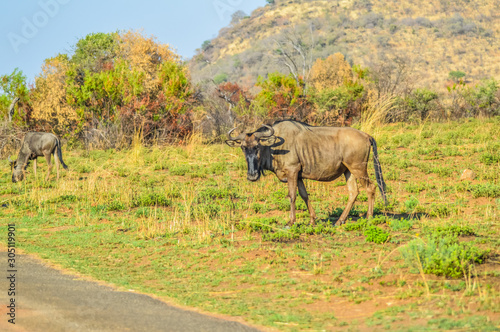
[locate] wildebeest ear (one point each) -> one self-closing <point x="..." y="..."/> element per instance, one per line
<point x="267" y="141"/>
<point x="233" y="143"/>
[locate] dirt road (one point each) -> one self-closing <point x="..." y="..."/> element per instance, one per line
<point x="47" y="300"/>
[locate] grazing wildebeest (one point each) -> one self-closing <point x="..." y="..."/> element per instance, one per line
<point x="35" y="145"/>
<point x="295" y="151"/>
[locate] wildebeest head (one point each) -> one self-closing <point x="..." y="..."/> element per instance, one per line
<point x="17" y="172"/>
<point x="253" y="146"/>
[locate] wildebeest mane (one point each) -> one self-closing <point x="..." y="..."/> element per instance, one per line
<point x="299" y="124"/>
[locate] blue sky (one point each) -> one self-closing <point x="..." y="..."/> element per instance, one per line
<point x="31" y="31"/>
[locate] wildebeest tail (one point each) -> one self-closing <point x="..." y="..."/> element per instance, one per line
<point x="59" y="154"/>
<point x="378" y="170"/>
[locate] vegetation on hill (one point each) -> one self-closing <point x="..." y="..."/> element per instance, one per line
<point x="431" y="38"/>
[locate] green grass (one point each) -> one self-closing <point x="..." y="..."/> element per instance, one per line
<point x="184" y="224"/>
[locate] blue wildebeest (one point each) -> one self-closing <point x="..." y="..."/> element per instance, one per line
<point x="295" y="151"/>
<point x="35" y="145"/>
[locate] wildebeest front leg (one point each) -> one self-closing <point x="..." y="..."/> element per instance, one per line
<point x="305" y="197"/>
<point x="49" y="165"/>
<point x="353" y="193"/>
<point x="292" y="193"/>
<point x="34" y="167"/>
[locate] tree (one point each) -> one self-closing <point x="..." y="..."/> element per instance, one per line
<point x="393" y="75"/>
<point x="484" y="98"/>
<point x="294" y="52"/>
<point x="95" y="50"/>
<point x="420" y="102"/>
<point x="227" y="102"/>
<point x="237" y="16"/>
<point x="11" y="87"/>
<point x="331" y="72"/>
<point x="281" y="97"/>
<point x="50" y="107"/>
<point x="456" y="75"/>
<point x="206" y="45"/>
<point x="115" y="84"/>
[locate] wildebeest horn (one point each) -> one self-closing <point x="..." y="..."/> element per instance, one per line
<point x="239" y="137"/>
<point x="267" y="133"/>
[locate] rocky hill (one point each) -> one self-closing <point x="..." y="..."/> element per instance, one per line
<point x="428" y="38"/>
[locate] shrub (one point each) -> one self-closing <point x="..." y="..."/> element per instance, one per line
<point x="150" y="199"/>
<point x="411" y="203"/>
<point x="489" y="158"/>
<point x="485" y="190"/>
<point x="376" y="234"/>
<point x="357" y="226"/>
<point x="453" y="230"/>
<point x="439" y="210"/>
<point x="212" y="193"/>
<point x="443" y="256"/>
<point x="115" y="206"/>
<point x="179" y="170"/>
<point x="220" y="78"/>
<point x="400" y="224"/>
<point x="281" y="96"/>
<point x="420" y="103"/>
<point x="206" y="210"/>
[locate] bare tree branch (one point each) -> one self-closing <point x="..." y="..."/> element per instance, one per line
<point x="11" y="108"/>
<point x="296" y="54"/>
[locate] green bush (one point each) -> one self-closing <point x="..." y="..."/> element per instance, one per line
<point x="402" y="224"/>
<point x="489" y="158"/>
<point x="150" y="199"/>
<point x="180" y="170"/>
<point x="319" y="228"/>
<point x="212" y="193"/>
<point x="357" y="226"/>
<point x="206" y="210"/>
<point x="485" y="190"/>
<point x="259" y="208"/>
<point x="420" y="103"/>
<point x="115" y="206"/>
<point x="439" y="210"/>
<point x="443" y="255"/>
<point x="376" y="234"/>
<point x="272" y="229"/>
<point x="221" y="77"/>
<point x="411" y="203"/>
<point x="453" y="230"/>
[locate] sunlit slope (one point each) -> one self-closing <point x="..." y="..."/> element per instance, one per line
<point x="434" y="37"/>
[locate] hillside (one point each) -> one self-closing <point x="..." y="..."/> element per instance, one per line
<point x="428" y="38"/>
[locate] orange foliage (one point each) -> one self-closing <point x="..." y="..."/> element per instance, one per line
<point x="331" y="72"/>
<point x="50" y="109"/>
<point x="145" y="54"/>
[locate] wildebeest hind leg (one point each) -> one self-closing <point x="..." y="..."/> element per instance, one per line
<point x="56" y="160"/>
<point x="49" y="165"/>
<point x="292" y="193"/>
<point x="34" y="167"/>
<point x="305" y="197"/>
<point x="353" y="193"/>
<point x="371" y="188"/>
